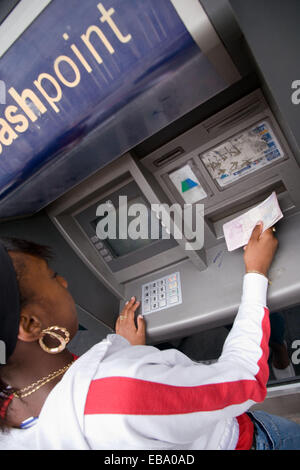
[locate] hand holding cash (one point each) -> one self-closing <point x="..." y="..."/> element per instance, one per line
<point x="260" y="250"/>
<point x="238" y="231"/>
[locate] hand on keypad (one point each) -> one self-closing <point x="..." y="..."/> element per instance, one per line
<point x="125" y="325"/>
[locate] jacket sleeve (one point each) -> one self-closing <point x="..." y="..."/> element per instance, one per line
<point x="247" y="345"/>
<point x="167" y="397"/>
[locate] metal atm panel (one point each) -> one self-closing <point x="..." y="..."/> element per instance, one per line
<point x="253" y="181"/>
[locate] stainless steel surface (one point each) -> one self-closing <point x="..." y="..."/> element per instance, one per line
<point x="283" y="400"/>
<point x="198" y="24"/>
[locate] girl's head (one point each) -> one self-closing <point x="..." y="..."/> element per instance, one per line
<point x="43" y="296"/>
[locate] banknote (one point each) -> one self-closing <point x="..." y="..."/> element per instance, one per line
<point x="238" y="231"/>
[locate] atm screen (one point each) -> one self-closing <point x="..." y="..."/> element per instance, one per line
<point x="124" y="247"/>
<point x="120" y="247"/>
<point x="244" y="153"/>
<point x="143" y="237"/>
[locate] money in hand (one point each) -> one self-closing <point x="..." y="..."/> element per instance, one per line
<point x="238" y="231"/>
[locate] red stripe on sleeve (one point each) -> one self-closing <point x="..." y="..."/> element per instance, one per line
<point x="125" y="395"/>
<point x="246" y="426"/>
<point x="246" y="431"/>
<point x="263" y="374"/>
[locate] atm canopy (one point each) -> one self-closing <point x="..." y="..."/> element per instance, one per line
<point x="86" y="82"/>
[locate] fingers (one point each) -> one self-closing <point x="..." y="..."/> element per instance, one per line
<point x="126" y="326"/>
<point x="269" y="238"/>
<point x="257" y="231"/>
<point x="273" y="240"/>
<point x="141" y="326"/>
<point x="130" y="307"/>
<point x="270" y="232"/>
<point x="128" y="312"/>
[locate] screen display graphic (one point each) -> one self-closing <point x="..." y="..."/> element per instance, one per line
<point x="245" y="153"/>
<point x="188" y="185"/>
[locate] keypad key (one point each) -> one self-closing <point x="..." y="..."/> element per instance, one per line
<point x="172" y="285"/>
<point x="173" y="292"/>
<point x="99" y="245"/>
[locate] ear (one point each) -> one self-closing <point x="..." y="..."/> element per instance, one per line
<point x="30" y="326"/>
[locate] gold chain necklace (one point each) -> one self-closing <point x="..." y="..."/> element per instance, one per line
<point x="24" y="392"/>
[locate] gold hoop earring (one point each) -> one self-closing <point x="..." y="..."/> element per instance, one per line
<point x="63" y="341"/>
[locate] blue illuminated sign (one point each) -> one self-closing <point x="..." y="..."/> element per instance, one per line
<point x="85" y="83"/>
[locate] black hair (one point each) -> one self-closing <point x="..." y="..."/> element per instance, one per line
<point x="16" y="245"/>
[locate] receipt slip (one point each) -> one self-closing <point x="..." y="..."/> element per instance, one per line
<point x="238" y="231"/>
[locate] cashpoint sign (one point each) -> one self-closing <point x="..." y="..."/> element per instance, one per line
<point x="90" y="66"/>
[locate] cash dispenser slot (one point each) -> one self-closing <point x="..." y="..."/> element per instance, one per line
<point x="217" y="219"/>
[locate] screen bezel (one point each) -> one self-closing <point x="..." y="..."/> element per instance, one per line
<point x="83" y="219"/>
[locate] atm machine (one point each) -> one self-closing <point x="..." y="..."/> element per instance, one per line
<point x="194" y="143"/>
<point x="181" y="290"/>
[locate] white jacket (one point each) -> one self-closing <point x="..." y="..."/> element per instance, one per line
<point x="118" y="396"/>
